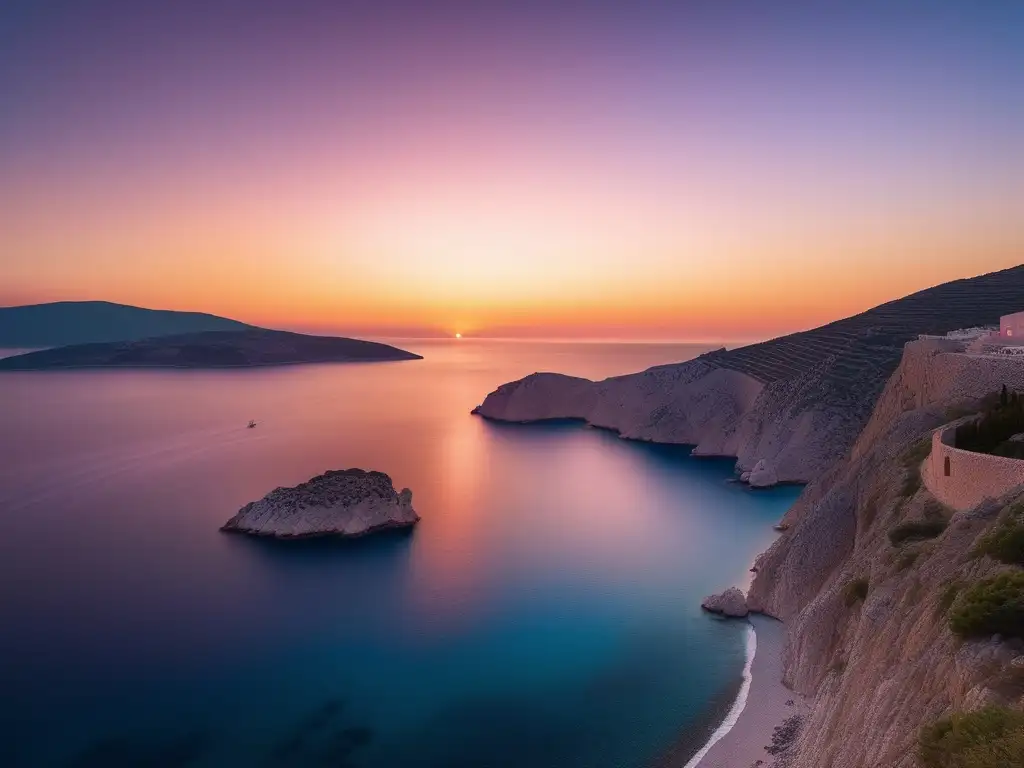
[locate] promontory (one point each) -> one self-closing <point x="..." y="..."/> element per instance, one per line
<point x="250" y="348"/>
<point x="899" y="572"/>
<point x="345" y="503"/>
<point x="788" y="409"/>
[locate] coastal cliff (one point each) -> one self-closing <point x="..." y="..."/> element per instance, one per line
<point x="871" y="562"/>
<point x="721" y="412"/>
<point x="798" y="402"/>
<point x="867" y="572"/>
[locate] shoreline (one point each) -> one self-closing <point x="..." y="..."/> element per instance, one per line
<point x="762" y="704"/>
<point x="738" y="704"/>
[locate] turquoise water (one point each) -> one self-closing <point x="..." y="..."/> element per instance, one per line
<point x="543" y="613"/>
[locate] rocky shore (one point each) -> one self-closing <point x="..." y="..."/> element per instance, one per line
<point x="345" y="503"/>
<point x="768" y="722"/>
<point x="731" y="603"/>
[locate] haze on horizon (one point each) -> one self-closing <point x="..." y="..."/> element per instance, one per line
<point x="693" y="171"/>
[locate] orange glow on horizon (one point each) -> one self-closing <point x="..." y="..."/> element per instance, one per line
<point x="643" y="171"/>
<point x="523" y="263"/>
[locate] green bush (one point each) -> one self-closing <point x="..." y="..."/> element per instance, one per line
<point x="911" y="483"/>
<point x="992" y="606"/>
<point x="992" y="737"/>
<point x="856" y="591"/>
<point x="918" y="452"/>
<point x="911" y="461"/>
<point x="1005" y="543"/>
<point x="949" y="595"/>
<point x="916" y="531"/>
<point x="1010" y="449"/>
<point x="1002" y="419"/>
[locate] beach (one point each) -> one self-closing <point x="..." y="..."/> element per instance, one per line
<point x="766" y="706"/>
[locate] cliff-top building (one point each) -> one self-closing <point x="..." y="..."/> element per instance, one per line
<point x="1012" y="326"/>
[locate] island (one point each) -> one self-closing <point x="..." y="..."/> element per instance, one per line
<point x="249" y="348"/>
<point x="731" y="603"/>
<point x="345" y="503"/>
<point x="61" y="323"/>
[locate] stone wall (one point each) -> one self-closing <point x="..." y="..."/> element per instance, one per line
<point x="963" y="479"/>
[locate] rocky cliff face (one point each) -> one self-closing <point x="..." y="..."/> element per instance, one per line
<point x="882" y="665"/>
<point x="721" y="412"/>
<point x="798" y="401"/>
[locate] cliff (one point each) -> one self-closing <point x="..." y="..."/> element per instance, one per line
<point x="799" y="402"/>
<point x="865" y="575"/>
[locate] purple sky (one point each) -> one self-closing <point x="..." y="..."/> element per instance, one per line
<point x="634" y="168"/>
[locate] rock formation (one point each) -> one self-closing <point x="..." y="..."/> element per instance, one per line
<point x="730" y="603"/>
<point x="797" y="402"/>
<point x="347" y="503"/>
<point x="881" y="660"/>
<point x="763" y="475"/>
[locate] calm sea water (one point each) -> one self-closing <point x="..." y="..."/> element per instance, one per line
<point x="543" y="613"/>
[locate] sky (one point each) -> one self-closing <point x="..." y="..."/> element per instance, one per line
<point x="695" y="171"/>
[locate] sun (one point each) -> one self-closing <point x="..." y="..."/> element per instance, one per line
<point x="458" y="335"/>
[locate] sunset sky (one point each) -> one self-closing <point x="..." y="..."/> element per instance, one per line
<point x="687" y="170"/>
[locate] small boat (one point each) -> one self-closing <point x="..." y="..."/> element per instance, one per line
<point x="251" y="424"/>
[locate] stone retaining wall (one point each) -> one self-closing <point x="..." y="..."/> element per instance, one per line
<point x="963" y="479"/>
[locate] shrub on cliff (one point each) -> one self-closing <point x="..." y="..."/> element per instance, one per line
<point x="1005" y="543"/>
<point x="916" y="530"/>
<point x="911" y="461"/>
<point x="948" y="596"/>
<point x="992" y="432"/>
<point x="992" y="737"/>
<point x="856" y="591"/>
<point x="917" y="453"/>
<point x="992" y="606"/>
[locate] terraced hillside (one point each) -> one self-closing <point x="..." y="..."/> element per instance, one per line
<point x="871" y="343"/>
<point x="848" y="362"/>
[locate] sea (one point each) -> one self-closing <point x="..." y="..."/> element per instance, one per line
<point x="543" y="614"/>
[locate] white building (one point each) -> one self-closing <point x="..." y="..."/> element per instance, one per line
<point x="1012" y="326"/>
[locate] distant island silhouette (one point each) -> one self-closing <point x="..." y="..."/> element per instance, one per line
<point x="254" y="347"/>
<point x="62" y="323"/>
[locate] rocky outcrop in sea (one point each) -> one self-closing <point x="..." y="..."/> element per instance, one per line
<point x="763" y="475"/>
<point x="346" y="503"/>
<point x="731" y="603"/>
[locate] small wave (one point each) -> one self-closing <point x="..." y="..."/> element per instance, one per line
<point x="737" y="706"/>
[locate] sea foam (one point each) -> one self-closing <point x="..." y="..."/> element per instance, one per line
<point x="737" y="706"/>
